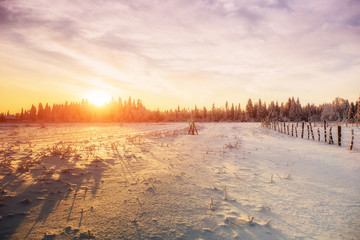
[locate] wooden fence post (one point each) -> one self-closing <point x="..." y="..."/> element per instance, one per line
<point x="318" y="134"/>
<point x="308" y="130"/>
<point x="312" y="132"/>
<point x="331" y="141"/>
<point x="325" y="131"/>
<point x="339" y="136"/>
<point x="296" y="131"/>
<point x="284" y="128"/>
<point x="288" y="131"/>
<point x="352" y="139"/>
<point x="302" y="129"/>
<point x="292" y="129"/>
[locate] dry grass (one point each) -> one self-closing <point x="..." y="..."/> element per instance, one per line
<point x="135" y="140"/>
<point x="232" y="145"/>
<point x="90" y="150"/>
<point x="225" y="194"/>
<point x="286" y="176"/>
<point x="211" y="207"/>
<point x="64" y="152"/>
<point x="6" y="167"/>
<point x="114" y="146"/>
<point x="241" y="222"/>
<point x="66" y="170"/>
<point x="97" y="160"/>
<point x="23" y="166"/>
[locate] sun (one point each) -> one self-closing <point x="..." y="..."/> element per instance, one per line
<point x="98" y="97"/>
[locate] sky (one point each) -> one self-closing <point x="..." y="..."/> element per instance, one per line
<point x="178" y="52"/>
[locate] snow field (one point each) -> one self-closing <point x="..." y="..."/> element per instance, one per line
<point x="151" y="181"/>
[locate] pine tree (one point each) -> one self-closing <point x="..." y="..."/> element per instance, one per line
<point x="259" y="111"/>
<point x="232" y="112"/>
<point x="281" y="112"/>
<point x="33" y="113"/>
<point x="249" y="108"/>
<point x="238" y="114"/>
<point x="204" y="113"/>
<point x="41" y="113"/>
<point x="227" y="113"/>
<point x="47" y="112"/>
<point x="196" y="112"/>
<point x="213" y="112"/>
<point x="350" y="114"/>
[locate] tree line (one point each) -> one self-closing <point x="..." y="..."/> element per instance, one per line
<point x="132" y="110"/>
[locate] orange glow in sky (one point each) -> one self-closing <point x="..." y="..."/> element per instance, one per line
<point x="98" y="97"/>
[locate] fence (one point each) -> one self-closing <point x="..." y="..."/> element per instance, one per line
<point x="334" y="133"/>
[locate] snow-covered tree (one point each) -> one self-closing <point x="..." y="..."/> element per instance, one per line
<point x="249" y="108"/>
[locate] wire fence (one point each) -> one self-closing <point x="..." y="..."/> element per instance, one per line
<point x="340" y="134"/>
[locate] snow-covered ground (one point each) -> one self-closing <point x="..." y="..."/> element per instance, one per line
<point x="152" y="181"/>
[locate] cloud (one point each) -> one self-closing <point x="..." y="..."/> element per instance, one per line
<point x="253" y="45"/>
<point x="4" y="13"/>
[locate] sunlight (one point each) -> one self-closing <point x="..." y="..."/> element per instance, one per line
<point x="98" y="97"/>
